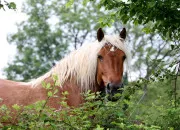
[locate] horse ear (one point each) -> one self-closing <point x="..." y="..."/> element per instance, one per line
<point x="123" y="33"/>
<point x="100" y="34"/>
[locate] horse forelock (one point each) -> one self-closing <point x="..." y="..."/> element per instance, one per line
<point x="80" y="65"/>
<point x="118" y="42"/>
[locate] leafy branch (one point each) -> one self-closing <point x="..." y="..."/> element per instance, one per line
<point x="10" y="5"/>
<point x="51" y="91"/>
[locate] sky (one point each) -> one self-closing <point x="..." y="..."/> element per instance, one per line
<point x="8" y="20"/>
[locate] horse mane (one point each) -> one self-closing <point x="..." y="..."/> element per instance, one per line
<point x="81" y="64"/>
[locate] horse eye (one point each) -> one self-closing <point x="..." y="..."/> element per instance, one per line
<point x="100" y="57"/>
<point x="124" y="57"/>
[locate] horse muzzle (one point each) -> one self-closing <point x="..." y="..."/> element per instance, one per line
<point x="112" y="89"/>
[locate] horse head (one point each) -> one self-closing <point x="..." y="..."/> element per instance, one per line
<point x="110" y="61"/>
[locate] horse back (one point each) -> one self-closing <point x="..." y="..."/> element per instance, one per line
<point x="12" y="92"/>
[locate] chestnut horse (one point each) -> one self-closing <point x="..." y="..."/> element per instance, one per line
<point x="97" y="66"/>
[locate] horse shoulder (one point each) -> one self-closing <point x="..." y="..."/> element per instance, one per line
<point x="74" y="97"/>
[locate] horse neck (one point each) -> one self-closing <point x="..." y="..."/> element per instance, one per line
<point x="70" y="82"/>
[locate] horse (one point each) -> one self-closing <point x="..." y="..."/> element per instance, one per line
<point x="96" y="67"/>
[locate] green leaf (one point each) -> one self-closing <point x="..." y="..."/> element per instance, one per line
<point x="55" y="77"/>
<point x="57" y="83"/>
<point x="69" y="3"/>
<point x="3" y="107"/>
<point x="50" y="94"/>
<point x="12" y="5"/>
<point x="146" y="30"/>
<point x="43" y="83"/>
<point x="55" y="91"/>
<point x="63" y="103"/>
<point x="135" y="22"/>
<point x="98" y="127"/>
<point x="16" y="107"/>
<point x="48" y="86"/>
<point x="65" y="93"/>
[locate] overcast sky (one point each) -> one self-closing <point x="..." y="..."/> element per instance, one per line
<point x="8" y="19"/>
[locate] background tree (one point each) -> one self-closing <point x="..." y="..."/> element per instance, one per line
<point x="146" y="49"/>
<point x="79" y="23"/>
<point x="47" y="34"/>
<point x="38" y="46"/>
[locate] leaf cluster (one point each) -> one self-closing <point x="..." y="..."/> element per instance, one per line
<point x="9" y="5"/>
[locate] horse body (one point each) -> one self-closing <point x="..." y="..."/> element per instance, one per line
<point x="97" y="66"/>
<point x="18" y="93"/>
<point x="23" y="94"/>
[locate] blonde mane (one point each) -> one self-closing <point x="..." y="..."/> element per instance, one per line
<point x="81" y="64"/>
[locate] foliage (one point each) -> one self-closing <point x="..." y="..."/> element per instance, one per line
<point x="9" y="5"/>
<point x="164" y="15"/>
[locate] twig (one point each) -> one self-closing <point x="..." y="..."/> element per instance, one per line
<point x="142" y="97"/>
<point x="175" y="85"/>
<point x="40" y="112"/>
<point x="46" y="101"/>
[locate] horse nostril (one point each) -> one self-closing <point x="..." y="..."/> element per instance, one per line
<point x="108" y="86"/>
<point x="114" y="87"/>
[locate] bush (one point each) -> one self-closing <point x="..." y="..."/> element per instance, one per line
<point x="155" y="112"/>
